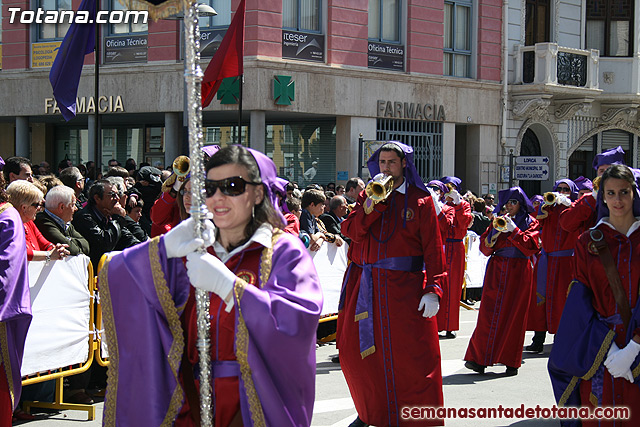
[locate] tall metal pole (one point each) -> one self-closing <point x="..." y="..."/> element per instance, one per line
<point x="193" y="80"/>
<point x="96" y="88"/>
<point x="511" y="168"/>
<point x="241" y="82"/>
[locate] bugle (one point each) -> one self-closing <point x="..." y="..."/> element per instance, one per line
<point x="380" y="187"/>
<point x="596" y="183"/>
<point x="500" y="224"/>
<point x="550" y="198"/>
<point x="181" y="167"/>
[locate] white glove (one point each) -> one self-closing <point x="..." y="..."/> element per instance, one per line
<point x="619" y="362"/>
<point x="561" y="199"/>
<point x="436" y="201"/>
<point x="455" y="196"/>
<point x="431" y="304"/>
<point x="209" y="273"/>
<point x="181" y="239"/>
<point x="510" y="224"/>
<point x="177" y="184"/>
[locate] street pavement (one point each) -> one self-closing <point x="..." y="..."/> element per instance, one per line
<point x="462" y="388"/>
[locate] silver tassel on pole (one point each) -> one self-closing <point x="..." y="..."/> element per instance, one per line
<point x="193" y="80"/>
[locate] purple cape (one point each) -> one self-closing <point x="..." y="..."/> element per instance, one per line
<point x="522" y="218"/>
<point x="15" y="306"/>
<point x="614" y="156"/>
<point x="269" y="176"/>
<point x="581" y="340"/>
<point x="210" y="150"/>
<point x="452" y="180"/>
<point x="410" y="173"/>
<point x="583" y="183"/>
<point x="143" y="296"/>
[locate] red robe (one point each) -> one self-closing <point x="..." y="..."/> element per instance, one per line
<point x="449" y="313"/>
<point x="546" y="309"/>
<point x="506" y="292"/>
<point x="404" y="367"/>
<point x="581" y="216"/>
<point x="222" y="338"/>
<point x="590" y="271"/>
<point x="165" y="214"/>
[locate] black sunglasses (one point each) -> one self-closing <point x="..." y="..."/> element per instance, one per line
<point x="233" y="186"/>
<point x="564" y="190"/>
<point x="38" y="205"/>
<point x="512" y="202"/>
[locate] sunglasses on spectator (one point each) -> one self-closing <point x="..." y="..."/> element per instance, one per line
<point x="512" y="202"/>
<point x="38" y="205"/>
<point x="564" y="189"/>
<point x="233" y="186"/>
<point x="113" y="194"/>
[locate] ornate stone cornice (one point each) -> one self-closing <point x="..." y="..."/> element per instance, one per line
<point x="567" y="110"/>
<point x="531" y="107"/>
<point x="619" y="115"/>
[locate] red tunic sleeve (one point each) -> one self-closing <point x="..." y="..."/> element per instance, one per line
<point x="165" y="214"/>
<point x="463" y="218"/>
<point x="356" y="226"/>
<point x="527" y="241"/>
<point x="580" y="216"/>
<point x="446" y="219"/>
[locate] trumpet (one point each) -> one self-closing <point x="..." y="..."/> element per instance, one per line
<point x="500" y="224"/>
<point x="380" y="188"/>
<point x="596" y="183"/>
<point x="550" y="198"/>
<point x="181" y="167"/>
<point x="450" y="187"/>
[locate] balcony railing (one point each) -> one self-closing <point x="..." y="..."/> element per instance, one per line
<point x="548" y="63"/>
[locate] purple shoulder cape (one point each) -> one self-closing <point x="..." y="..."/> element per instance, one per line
<point x="580" y="348"/>
<point x="275" y="336"/>
<point x="15" y="305"/>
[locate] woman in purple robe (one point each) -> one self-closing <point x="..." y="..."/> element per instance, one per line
<point x="15" y="305"/>
<point x="265" y="305"/>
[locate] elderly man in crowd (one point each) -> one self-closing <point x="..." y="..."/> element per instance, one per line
<point x="55" y="221"/>
<point x="337" y="210"/>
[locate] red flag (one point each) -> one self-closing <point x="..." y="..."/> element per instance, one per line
<point x="227" y="61"/>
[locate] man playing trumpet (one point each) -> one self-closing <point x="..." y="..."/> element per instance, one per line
<point x="511" y="240"/>
<point x="553" y="272"/>
<point x="387" y="331"/>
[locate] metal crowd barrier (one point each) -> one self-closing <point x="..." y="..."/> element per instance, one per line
<point x="95" y="353"/>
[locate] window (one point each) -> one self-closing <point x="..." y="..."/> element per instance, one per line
<point x="384" y="20"/>
<point x="53" y="31"/>
<point x="536" y="22"/>
<point x="125" y="27"/>
<point x="457" y="38"/>
<point x="301" y="15"/>
<point x="610" y="27"/>
<point x="222" y="19"/>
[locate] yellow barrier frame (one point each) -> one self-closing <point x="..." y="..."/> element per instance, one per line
<point x="94" y="348"/>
